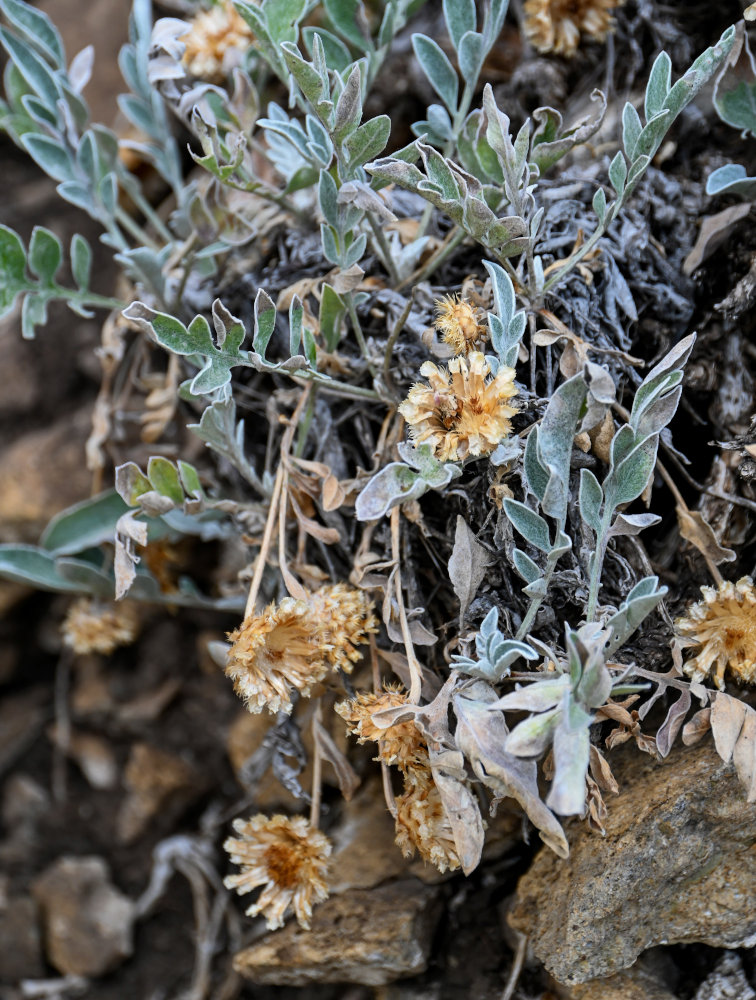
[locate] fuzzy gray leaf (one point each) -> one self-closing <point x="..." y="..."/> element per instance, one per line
<point x="467" y="565"/>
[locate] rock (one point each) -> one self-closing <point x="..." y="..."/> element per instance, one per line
<point x="364" y="852"/>
<point x="676" y="866"/>
<point x="87" y="921"/>
<point x="159" y="784"/>
<point x="369" y="937"/>
<point x="20" y="947"/>
<point x="630" y="984"/>
<point x="726" y="982"/>
<point x="41" y="473"/>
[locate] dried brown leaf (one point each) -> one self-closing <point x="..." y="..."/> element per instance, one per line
<point x="345" y="773"/>
<point x="461" y="808"/>
<point x="467" y="565"/>
<point x="696" y="529"/>
<point x="697" y="728"/>
<point x="715" y="230"/>
<point x="733" y="725"/>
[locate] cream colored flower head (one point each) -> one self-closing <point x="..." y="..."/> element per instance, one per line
<point x="722" y="630"/>
<point x="461" y="413"/>
<point x="400" y="744"/>
<point x="422" y="823"/>
<point x="274" y="654"/>
<point x="93" y="627"/>
<point x="292" y="646"/>
<point x="343" y="618"/>
<point x="286" y="856"/>
<point x="457" y="322"/>
<point x="215" y="42"/>
<point x="556" y="25"/>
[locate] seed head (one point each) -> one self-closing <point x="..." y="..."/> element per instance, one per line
<point x="422" y="823"/>
<point x="457" y="322"/>
<point x="343" y="618"/>
<point x="94" y="627"/>
<point x="400" y="744"/>
<point x="460" y="413"/>
<point x="286" y="856"/>
<point x="215" y="41"/>
<point x="722" y="627"/>
<point x="556" y="25"/>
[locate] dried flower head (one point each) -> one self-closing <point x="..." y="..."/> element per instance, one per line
<point x="288" y="857"/>
<point x="400" y="744"/>
<point x="460" y="413"/>
<point x="343" y="617"/>
<point x="723" y="625"/>
<point x="457" y="322"/>
<point x="215" y="41"/>
<point x="422" y="823"/>
<point x="274" y="653"/>
<point x="556" y="25"/>
<point x="293" y="646"/>
<point x="94" y="627"/>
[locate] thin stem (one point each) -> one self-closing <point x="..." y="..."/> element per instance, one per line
<point x="270" y="523"/>
<point x="356" y="326"/>
<point x="304" y="426"/>
<point x="150" y="214"/>
<point x="391" y="342"/>
<point x="134" y="229"/>
<point x="416" y="674"/>
<point x="537" y="601"/>
<point x="451" y="241"/>
<point x="383" y="249"/>
<point x="317" y="769"/>
<point x="333" y="387"/>
<point x="517" y="963"/>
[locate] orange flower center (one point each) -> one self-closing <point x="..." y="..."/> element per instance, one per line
<point x="283" y="865"/>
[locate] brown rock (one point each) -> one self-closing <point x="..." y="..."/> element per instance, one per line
<point x="676" y="866"/>
<point x="630" y="984"/>
<point x="370" y="937"/>
<point x="87" y="921"/>
<point x="158" y="783"/>
<point x="40" y="474"/>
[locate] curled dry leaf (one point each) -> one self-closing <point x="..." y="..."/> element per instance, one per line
<point x="696" y="529"/>
<point x="346" y="776"/>
<point x="733" y="726"/>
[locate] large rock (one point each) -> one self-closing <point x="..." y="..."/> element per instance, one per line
<point x="677" y="865"/>
<point x="87" y="921"/>
<point x="371" y="937"/>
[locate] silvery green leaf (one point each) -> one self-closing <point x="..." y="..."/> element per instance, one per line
<point x="732" y="179"/>
<point x="699" y="73"/>
<point x="632" y="524"/>
<point x="471" y="54"/>
<point x="264" y="322"/>
<point x="81" y="261"/>
<point x="84" y="525"/>
<point x="555" y="436"/>
<point x="13" y="278"/>
<point x="460" y="17"/>
<point x="525" y="566"/>
<point x="368" y="140"/>
<point x="355" y="252"/>
<point x="503" y="291"/>
<point x="599" y="205"/>
<point x="392" y="485"/>
<point x="347" y="16"/>
<point x="631" y="130"/>
<point x="328" y="198"/>
<point x="51" y="156"/>
<point x="507" y="451"/>
<point x="348" y="111"/>
<point x="533" y="737"/>
<point x="296" y="314"/>
<point x="338" y="57"/>
<point x="618" y="172"/>
<point x="38" y="30"/>
<point x="640" y="602"/>
<point x="530" y="525"/>
<point x="467" y="565"/>
<point x="330" y="247"/>
<point x="590" y="499"/>
<point x="537" y="476"/>
<point x="628" y="479"/>
<point x="307" y="77"/>
<point x="535" y="697"/>
<point x="571" y="747"/>
<point x="658" y="85"/>
<point x="33" y="314"/>
<point x="282" y="16"/>
<point x="481" y="735"/>
<point x="550" y="142"/>
<point x="32" y="67"/>
<point x="438" y="69"/>
<point x="332" y="310"/>
<point x="32" y="566"/>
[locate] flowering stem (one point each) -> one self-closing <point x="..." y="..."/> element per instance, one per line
<point x="317" y="768"/>
<point x="416" y="674"/>
<point x="254" y="586"/>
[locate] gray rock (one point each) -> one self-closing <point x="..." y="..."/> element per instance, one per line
<point x="726" y="982"/>
<point x="87" y="921"/>
<point x="676" y="866"/>
<point x="369" y="937"/>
